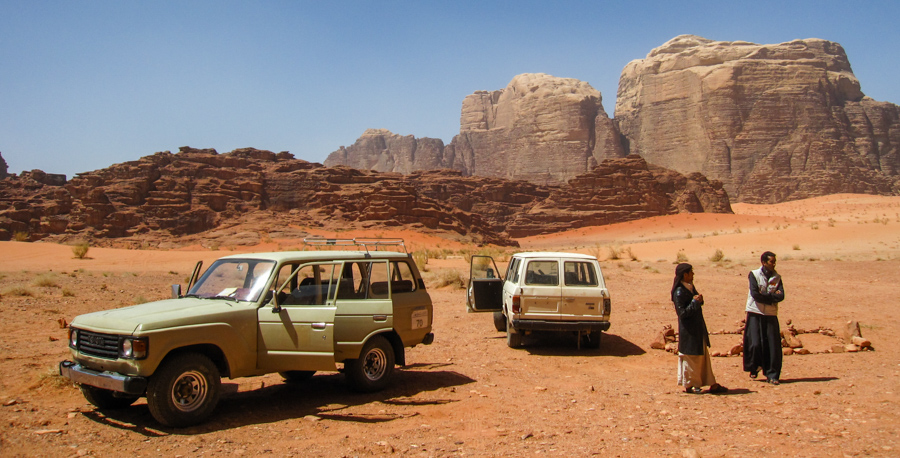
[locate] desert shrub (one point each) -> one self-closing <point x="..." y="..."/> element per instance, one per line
<point x="66" y="292"/>
<point x="830" y="222"/>
<point x="46" y="281"/>
<point x="421" y="259"/>
<point x="681" y="257"/>
<point x="814" y="226"/>
<point x="627" y="251"/>
<point x="449" y="277"/>
<point x="80" y="250"/>
<point x="718" y="256"/>
<point x="21" y="236"/>
<point x="689" y="236"/>
<point x="613" y="253"/>
<point x="140" y="300"/>
<point x="20" y="291"/>
<point x="737" y="231"/>
<point x="796" y="247"/>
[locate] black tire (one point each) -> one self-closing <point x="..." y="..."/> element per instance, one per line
<point x="513" y="337"/>
<point x="499" y="321"/>
<point x="296" y="376"/>
<point x="591" y="340"/>
<point x="372" y="371"/>
<point x="106" y="399"/>
<point x="184" y="390"/>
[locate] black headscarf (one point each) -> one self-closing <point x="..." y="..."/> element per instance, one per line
<point x="680" y="270"/>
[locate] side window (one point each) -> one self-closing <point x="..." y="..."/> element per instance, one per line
<point x="544" y="273"/>
<point x="354" y="281"/>
<point x="378" y="280"/>
<point x="580" y="274"/>
<point x="402" y="280"/>
<point x="512" y="272"/>
<point x="313" y="285"/>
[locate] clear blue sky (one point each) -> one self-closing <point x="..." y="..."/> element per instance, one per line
<point x="87" y="84"/>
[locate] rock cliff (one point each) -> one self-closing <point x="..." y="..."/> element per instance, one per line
<point x="540" y="128"/>
<point x="200" y="196"/>
<point x="772" y="122"/>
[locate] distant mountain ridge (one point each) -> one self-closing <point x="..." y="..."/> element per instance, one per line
<point x="772" y="122"/>
<point x="240" y="197"/>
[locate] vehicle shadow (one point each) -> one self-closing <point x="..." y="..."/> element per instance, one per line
<point x="326" y="396"/>
<point x="566" y="344"/>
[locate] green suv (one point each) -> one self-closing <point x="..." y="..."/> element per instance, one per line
<point x="293" y="313"/>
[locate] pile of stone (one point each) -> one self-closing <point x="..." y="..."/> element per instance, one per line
<point x="851" y="341"/>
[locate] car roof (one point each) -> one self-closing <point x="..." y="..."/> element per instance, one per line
<point x="318" y="255"/>
<point x="553" y="254"/>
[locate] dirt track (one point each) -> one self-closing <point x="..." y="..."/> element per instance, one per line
<point x="468" y="394"/>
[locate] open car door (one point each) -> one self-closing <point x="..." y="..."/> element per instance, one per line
<point x="485" y="291"/>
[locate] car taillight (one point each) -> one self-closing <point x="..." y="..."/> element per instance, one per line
<point x="517" y="304"/>
<point x="607" y="306"/>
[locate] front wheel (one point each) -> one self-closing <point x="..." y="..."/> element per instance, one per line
<point x="499" y="321"/>
<point x="106" y="399"/>
<point x="371" y="371"/>
<point x="184" y="391"/>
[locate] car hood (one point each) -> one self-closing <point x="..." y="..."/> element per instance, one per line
<point x="161" y="314"/>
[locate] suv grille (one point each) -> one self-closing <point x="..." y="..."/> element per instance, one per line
<point x="99" y="345"/>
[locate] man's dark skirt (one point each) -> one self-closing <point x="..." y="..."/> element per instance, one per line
<point x="762" y="345"/>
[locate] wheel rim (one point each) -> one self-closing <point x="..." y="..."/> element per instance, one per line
<point x="375" y="364"/>
<point x="189" y="391"/>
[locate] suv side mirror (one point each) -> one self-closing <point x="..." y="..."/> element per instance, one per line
<point x="176" y="291"/>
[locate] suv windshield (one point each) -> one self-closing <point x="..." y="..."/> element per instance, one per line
<point x="238" y="279"/>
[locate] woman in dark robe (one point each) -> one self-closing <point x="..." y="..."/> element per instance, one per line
<point x="694" y="364"/>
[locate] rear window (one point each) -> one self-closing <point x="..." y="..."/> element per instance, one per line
<point x="544" y="273"/>
<point x="578" y="273"/>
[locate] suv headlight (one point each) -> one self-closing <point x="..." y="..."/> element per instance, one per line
<point x="133" y="347"/>
<point x="73" y="337"/>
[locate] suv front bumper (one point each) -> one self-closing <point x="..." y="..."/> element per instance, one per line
<point x="106" y="380"/>
<point x="543" y="325"/>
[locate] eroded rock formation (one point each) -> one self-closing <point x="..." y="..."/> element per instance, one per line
<point x="169" y="196"/>
<point x="540" y="128"/>
<point x="772" y="122"/>
<point x="4" y="169"/>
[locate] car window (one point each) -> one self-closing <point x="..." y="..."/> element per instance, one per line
<point x="512" y="273"/>
<point x="402" y="280"/>
<point x="542" y="273"/>
<point x="313" y="285"/>
<point x="378" y="280"/>
<point x="578" y="273"/>
<point x="354" y="280"/>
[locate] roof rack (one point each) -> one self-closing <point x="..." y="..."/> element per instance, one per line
<point x="363" y="242"/>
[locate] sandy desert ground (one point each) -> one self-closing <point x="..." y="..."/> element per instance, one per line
<point x="468" y="394"/>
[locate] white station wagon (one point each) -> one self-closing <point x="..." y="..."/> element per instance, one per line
<point x="542" y="291"/>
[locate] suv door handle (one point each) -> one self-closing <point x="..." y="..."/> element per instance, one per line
<point x="319" y="326"/>
<point x="379" y="317"/>
<point x="570" y="299"/>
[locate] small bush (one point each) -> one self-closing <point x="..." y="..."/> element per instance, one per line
<point x="46" y="281"/>
<point x="18" y="291"/>
<point x="449" y="277"/>
<point x="421" y="259"/>
<point x="21" y="237"/>
<point x="796" y="247"/>
<point x="718" y="256"/>
<point x="80" y="250"/>
<point x="66" y="292"/>
<point x="681" y="257"/>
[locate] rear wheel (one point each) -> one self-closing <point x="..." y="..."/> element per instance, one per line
<point x="372" y="370"/>
<point x="499" y="321"/>
<point x="513" y="337"/>
<point x="184" y="390"/>
<point x="296" y="376"/>
<point x="106" y="399"/>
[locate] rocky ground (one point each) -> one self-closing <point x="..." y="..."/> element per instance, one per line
<point x="469" y="394"/>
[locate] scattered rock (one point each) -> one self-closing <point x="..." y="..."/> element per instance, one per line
<point x="787" y="351"/>
<point x="800" y="351"/>
<point x="851" y="348"/>
<point x="736" y="350"/>
<point x="860" y="342"/>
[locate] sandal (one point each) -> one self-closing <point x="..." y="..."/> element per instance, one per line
<point x="693" y="390"/>
<point x="773" y="381"/>
<point x="716" y="389"/>
<point x="754" y="373"/>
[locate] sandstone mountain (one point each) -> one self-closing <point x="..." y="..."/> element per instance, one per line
<point x="200" y="196"/>
<point x="4" y="169"/>
<point x="540" y="128"/>
<point x="772" y="122"/>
